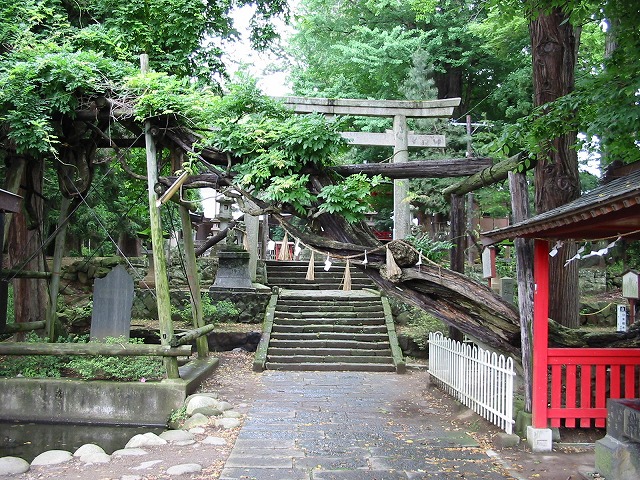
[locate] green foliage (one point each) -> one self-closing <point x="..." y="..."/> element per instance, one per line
<point x="86" y="367"/>
<point x="435" y="250"/>
<point x="41" y="82"/>
<point x="102" y="367"/>
<point x="32" y="366"/>
<point x="220" y="311"/>
<point x="177" y="417"/>
<point x="419" y="323"/>
<point x="346" y="198"/>
<point x="211" y="312"/>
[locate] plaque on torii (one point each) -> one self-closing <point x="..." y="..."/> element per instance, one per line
<point x="399" y="138"/>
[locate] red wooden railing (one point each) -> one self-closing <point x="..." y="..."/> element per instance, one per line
<point x="581" y="380"/>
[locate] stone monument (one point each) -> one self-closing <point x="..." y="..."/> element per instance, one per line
<point x="112" y="302"/>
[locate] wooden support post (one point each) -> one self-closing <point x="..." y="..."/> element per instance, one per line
<point x="524" y="269"/>
<point x="459" y="240"/>
<point x="157" y="243"/>
<point x="401" y="207"/>
<point x="4" y="285"/>
<point x="194" y="281"/>
<point x="54" y="284"/>
<point x="540" y="333"/>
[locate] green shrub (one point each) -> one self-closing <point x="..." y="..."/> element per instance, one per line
<point x="103" y="367"/>
<point x="211" y="312"/>
<point x="419" y="323"/>
<point x="33" y="366"/>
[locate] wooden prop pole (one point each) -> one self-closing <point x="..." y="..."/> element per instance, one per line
<point x="157" y="242"/>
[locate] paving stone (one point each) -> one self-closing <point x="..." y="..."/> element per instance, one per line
<point x="332" y="463"/>
<point x="358" y="475"/>
<point x="264" y="474"/>
<point x="258" y="461"/>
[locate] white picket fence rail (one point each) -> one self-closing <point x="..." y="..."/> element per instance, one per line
<point x="480" y="379"/>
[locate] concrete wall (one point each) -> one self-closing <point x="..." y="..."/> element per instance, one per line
<point x="83" y="401"/>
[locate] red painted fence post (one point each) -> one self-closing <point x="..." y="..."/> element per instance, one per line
<point x="540" y="332"/>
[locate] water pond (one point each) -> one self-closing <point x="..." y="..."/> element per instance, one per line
<point x="28" y="440"/>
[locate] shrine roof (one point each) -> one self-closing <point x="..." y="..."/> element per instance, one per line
<point x="608" y="211"/>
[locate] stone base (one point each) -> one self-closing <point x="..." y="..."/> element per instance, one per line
<point x="617" y="460"/>
<point x="251" y="304"/>
<point x="539" y="439"/>
<point x="505" y="440"/>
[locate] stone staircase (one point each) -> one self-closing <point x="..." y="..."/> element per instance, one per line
<point x="291" y="275"/>
<point x="326" y="329"/>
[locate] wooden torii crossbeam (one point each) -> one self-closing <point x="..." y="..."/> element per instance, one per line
<point x="399" y="138"/>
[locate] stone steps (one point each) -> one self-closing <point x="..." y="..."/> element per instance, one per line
<point x="291" y="275"/>
<point x="318" y="326"/>
<point x="333" y="367"/>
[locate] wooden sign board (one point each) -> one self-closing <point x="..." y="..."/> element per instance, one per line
<point x="489" y="263"/>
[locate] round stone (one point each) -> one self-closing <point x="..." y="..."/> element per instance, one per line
<point x="13" y="466"/>
<point x="129" y="452"/>
<point x="88" y="448"/>
<point x="145" y="440"/>
<point x="197" y="420"/>
<point x="214" y="441"/>
<point x="52" y="457"/>
<point x="184" y="469"/>
<point x="200" y="401"/>
<point x="95" y="457"/>
<point x="176" y="436"/>
<point x="228" y="423"/>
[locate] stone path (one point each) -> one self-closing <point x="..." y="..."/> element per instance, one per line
<point x="352" y="425"/>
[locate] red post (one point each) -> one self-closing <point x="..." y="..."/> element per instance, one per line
<point x="540" y="332"/>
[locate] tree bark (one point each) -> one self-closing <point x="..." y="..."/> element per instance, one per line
<point x="554" y="43"/>
<point x="25" y="239"/>
<point x="524" y="272"/>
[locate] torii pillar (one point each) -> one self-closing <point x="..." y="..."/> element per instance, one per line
<point x="401" y="207"/>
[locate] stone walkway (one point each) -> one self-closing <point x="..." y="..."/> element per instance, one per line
<point x="353" y="426"/>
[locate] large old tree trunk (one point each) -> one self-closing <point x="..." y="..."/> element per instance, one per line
<point x="25" y="240"/>
<point x="554" y="44"/>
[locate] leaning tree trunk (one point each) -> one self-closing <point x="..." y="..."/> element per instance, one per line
<point x="25" y="240"/>
<point x="554" y="45"/>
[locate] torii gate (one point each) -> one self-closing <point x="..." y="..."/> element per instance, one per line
<point x="400" y="138"/>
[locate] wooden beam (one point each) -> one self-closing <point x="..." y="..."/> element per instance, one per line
<point x="23" y="327"/>
<point x="199" y="333"/>
<point x="13" y="273"/>
<point x="386" y="139"/>
<point x="453" y="167"/>
<point x="120" y="349"/>
<point x="372" y="108"/>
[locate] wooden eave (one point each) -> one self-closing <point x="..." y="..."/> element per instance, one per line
<point x="609" y="211"/>
<point x="9" y="202"/>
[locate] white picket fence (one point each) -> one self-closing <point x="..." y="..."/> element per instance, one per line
<point x="480" y="379"/>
